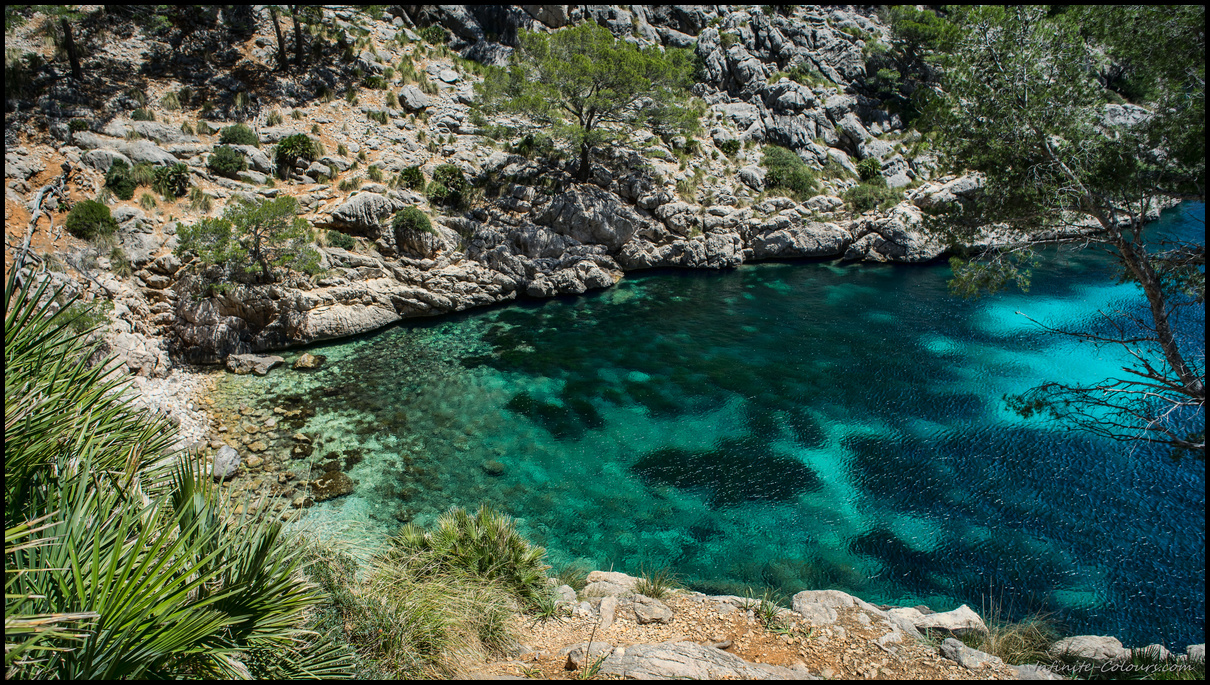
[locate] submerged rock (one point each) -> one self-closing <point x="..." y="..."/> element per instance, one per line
<point x="309" y="361"/>
<point x="226" y="461"/>
<point x="331" y="485"/>
<point x="241" y="364"/>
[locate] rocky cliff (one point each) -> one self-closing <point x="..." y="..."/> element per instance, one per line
<point x="695" y="202"/>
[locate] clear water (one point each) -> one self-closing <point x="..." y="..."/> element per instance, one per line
<point x="787" y="425"/>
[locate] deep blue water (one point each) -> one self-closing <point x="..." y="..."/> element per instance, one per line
<point x="787" y="425"/>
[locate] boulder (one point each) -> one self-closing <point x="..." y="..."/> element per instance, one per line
<point x="364" y="213"/>
<point x="584" y="653"/>
<point x="753" y="177"/>
<point x="683" y="660"/>
<point x="226" y="461"/>
<point x="102" y="159"/>
<point x="967" y="657"/>
<point x="565" y="593"/>
<point x="607" y="611"/>
<point x="146" y="151"/>
<point x="241" y="364"/>
<point x="413" y="99"/>
<point x="603" y="583"/>
<point x="650" y="610"/>
<point x="309" y="361"/>
<point x="960" y="621"/>
<point x="154" y="130"/>
<point x="1098" y="649"/>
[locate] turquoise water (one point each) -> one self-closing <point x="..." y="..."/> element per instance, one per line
<point x="787" y="425"/>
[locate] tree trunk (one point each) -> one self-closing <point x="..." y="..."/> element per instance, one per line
<point x="282" y="65"/>
<point x="1157" y="302"/>
<point x="585" y="161"/>
<point x="70" y="46"/>
<point x="298" y="43"/>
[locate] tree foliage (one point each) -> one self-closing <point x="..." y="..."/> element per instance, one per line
<point x="590" y="88"/>
<point x="1026" y="107"/>
<point x="253" y="233"/>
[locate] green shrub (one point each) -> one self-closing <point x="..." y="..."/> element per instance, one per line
<point x="226" y="161"/>
<point x="274" y="119"/>
<point x="186" y="128"/>
<point x="77" y="125"/>
<point x="531" y="145"/>
<point x="412" y="219"/>
<point x="171" y="181"/>
<point x="171" y="102"/>
<point x="729" y="147"/>
<point x="485" y="546"/>
<point x="657" y="584"/>
<point x="411" y="178"/>
<point x="433" y="34"/>
<point x="341" y="240"/>
<point x="448" y="186"/>
<point x="89" y="219"/>
<point x="238" y="134"/>
<point x="405" y="622"/>
<point x="142" y="114"/>
<point x="374" y="82"/>
<point x="147" y="201"/>
<point x="341" y="150"/>
<point x="378" y="115"/>
<point x="392" y="100"/>
<point x="787" y="172"/>
<point x="871" y="195"/>
<point x="869" y="168"/>
<point x="120" y="180"/>
<point x="375" y="173"/>
<point x="293" y="148"/>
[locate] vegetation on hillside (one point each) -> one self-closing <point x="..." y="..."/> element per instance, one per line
<point x="590" y="87"/>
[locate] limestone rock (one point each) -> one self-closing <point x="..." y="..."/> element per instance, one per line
<point x="810" y="240"/>
<point x="364" y="213"/>
<point x="226" y="461"/>
<point x="413" y="99"/>
<point x="650" y="610"/>
<point x="607" y="611"/>
<point x="309" y="361"/>
<point x="681" y="660"/>
<point x="1034" y="672"/>
<point x="584" y="653"/>
<point x="260" y="365"/>
<point x="590" y="214"/>
<point x="960" y="621"/>
<point x="1098" y="649"/>
<point x="603" y="583"/>
<point x="967" y="657"/>
<point x="565" y="593"/>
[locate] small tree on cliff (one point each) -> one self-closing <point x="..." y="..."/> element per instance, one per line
<point x="590" y="87"/>
<point x="1024" y="105"/>
<point x="251" y="234"/>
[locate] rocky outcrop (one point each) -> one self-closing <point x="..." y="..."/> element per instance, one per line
<point x="685" y="660"/>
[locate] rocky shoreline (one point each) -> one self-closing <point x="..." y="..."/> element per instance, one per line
<point x="826" y="634"/>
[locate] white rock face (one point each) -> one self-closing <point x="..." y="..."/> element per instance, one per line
<point x="1095" y="648"/>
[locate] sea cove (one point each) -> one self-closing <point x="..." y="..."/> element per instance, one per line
<point x="792" y="425"/>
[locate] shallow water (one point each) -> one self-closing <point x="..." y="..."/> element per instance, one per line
<point x="787" y="425"/>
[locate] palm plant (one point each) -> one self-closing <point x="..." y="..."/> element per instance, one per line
<point x="120" y="561"/>
<point x="485" y="545"/>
